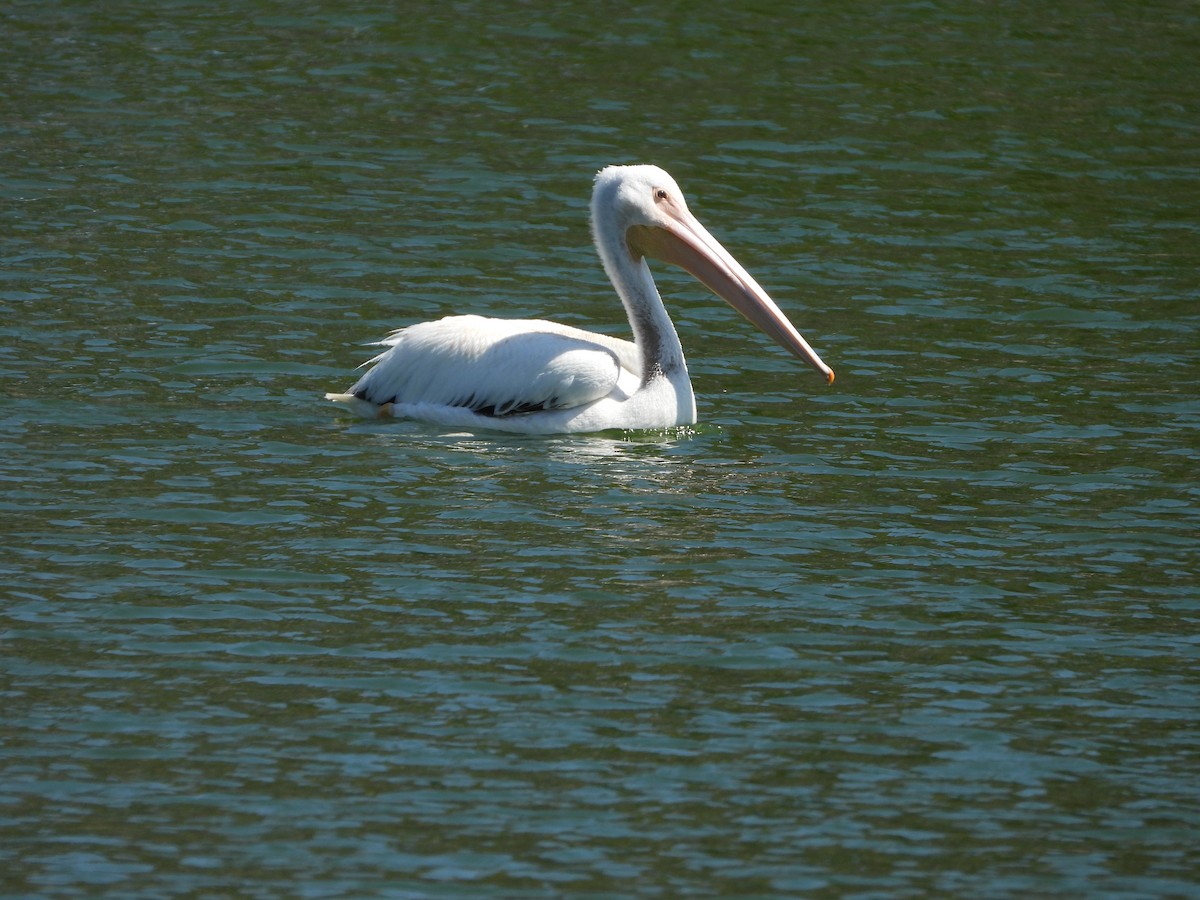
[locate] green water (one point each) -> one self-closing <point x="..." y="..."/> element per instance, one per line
<point x="931" y="631"/>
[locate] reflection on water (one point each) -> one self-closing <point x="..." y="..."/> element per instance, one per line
<point x="930" y="629"/>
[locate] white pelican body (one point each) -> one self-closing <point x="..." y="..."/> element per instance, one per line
<point x="538" y="377"/>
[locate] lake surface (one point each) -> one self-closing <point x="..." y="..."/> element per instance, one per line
<point x="930" y="631"/>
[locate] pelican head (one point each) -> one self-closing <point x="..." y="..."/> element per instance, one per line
<point x="646" y="206"/>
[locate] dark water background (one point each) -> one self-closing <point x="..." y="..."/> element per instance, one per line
<point x="929" y="632"/>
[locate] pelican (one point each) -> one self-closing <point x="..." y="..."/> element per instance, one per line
<point x="538" y="377"/>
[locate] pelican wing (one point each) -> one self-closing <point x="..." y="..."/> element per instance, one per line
<point x="494" y="367"/>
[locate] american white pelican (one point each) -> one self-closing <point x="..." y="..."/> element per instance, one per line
<point x="539" y="377"/>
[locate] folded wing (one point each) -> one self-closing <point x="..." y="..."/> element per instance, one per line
<point x="494" y="367"/>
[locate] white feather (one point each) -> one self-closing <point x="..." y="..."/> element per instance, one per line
<point x="497" y="365"/>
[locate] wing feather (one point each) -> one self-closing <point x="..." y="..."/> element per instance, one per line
<point x="494" y="367"/>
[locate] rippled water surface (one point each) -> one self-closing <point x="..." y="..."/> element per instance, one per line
<point x="931" y="631"/>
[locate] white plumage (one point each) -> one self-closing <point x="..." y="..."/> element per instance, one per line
<point x="457" y="361"/>
<point x="540" y="377"/>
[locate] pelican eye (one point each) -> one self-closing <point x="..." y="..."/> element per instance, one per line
<point x="660" y="196"/>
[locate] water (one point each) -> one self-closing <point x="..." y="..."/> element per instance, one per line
<point x="929" y="632"/>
